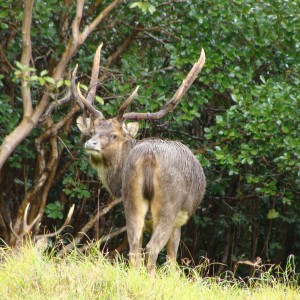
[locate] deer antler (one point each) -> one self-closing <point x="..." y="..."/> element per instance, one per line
<point x="170" y="105"/>
<point x="26" y="228"/>
<point x="57" y="232"/>
<point x="126" y="104"/>
<point x="87" y="102"/>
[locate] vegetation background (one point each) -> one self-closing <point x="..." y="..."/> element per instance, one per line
<point x="241" y="118"/>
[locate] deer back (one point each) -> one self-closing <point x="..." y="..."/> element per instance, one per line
<point x="164" y="169"/>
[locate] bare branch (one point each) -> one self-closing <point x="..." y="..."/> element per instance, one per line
<point x="5" y="59"/>
<point x="63" y="20"/>
<point x="121" y="49"/>
<point x="26" y="56"/>
<point x="57" y="103"/>
<point x="103" y="14"/>
<point x="76" y="22"/>
<point x="171" y="2"/>
<point x="32" y="117"/>
<point x="55" y="127"/>
<point x="103" y="239"/>
<point x="94" y="6"/>
<point x="169" y="106"/>
<point x="109" y="236"/>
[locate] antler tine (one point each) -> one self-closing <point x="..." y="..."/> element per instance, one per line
<point x="181" y="91"/>
<point x="27" y="228"/>
<point x="73" y="85"/>
<point x="127" y="103"/>
<point x="57" y="232"/>
<point x="81" y="100"/>
<point x="13" y="232"/>
<point x="95" y="73"/>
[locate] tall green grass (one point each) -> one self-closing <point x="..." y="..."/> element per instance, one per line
<point x="28" y="274"/>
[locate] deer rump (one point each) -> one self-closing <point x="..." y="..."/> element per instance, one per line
<point x="166" y="172"/>
<point x="162" y="185"/>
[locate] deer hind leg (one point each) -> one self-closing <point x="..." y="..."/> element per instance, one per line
<point x="159" y="239"/>
<point x="163" y="222"/>
<point x="135" y="220"/>
<point x="173" y="244"/>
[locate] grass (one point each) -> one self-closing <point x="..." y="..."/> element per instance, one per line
<point x="27" y="274"/>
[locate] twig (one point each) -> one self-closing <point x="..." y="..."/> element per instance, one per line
<point x="57" y="103"/>
<point x="103" y="239"/>
<point x="5" y="59"/>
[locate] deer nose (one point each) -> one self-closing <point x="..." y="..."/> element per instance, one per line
<point x="91" y="145"/>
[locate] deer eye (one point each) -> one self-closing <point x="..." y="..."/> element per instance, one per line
<point x="113" y="136"/>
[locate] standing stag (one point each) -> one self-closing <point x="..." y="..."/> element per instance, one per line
<point x="160" y="182"/>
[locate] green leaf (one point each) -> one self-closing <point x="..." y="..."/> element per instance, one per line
<point x="19" y="65"/>
<point x="49" y="79"/>
<point x="67" y="83"/>
<point x="18" y="73"/>
<point x="99" y="100"/>
<point x="234" y="98"/>
<point x="84" y="87"/>
<point x="34" y="78"/>
<point x="151" y="8"/>
<point x="262" y="78"/>
<point x="272" y="214"/>
<point x="60" y="83"/>
<point x="4" y="26"/>
<point x="42" y="80"/>
<point x="134" y="4"/>
<point x="285" y="129"/>
<point x="219" y="119"/>
<point x="86" y="193"/>
<point x="44" y="72"/>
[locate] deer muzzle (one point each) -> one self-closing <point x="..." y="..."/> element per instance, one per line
<point x="92" y="145"/>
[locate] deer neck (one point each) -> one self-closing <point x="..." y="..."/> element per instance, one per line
<point x="110" y="167"/>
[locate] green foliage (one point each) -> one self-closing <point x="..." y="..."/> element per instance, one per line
<point x="9" y="117"/>
<point x="74" y="189"/>
<point x="258" y="139"/>
<point x="144" y="6"/>
<point x="34" y="80"/>
<point x="54" y="210"/>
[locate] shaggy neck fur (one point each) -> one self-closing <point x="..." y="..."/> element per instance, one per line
<point x="109" y="167"/>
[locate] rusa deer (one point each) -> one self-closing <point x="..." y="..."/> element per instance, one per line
<point x="160" y="182"/>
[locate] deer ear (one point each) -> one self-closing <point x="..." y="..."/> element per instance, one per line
<point x="86" y="127"/>
<point x="131" y="129"/>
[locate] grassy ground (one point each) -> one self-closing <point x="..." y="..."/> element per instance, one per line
<point x="27" y="274"/>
